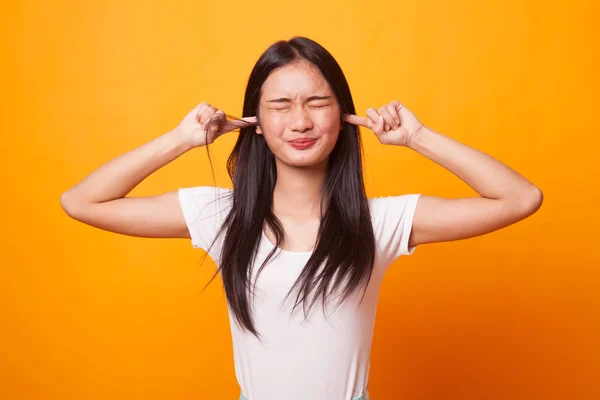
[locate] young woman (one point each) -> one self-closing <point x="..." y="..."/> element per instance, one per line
<point x="298" y="219"/>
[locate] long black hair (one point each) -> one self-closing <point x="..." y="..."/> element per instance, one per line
<point x="345" y="248"/>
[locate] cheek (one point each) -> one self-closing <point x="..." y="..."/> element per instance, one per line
<point x="328" y="125"/>
<point x="325" y="124"/>
<point x="274" y="125"/>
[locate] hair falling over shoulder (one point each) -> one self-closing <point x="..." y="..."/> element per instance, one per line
<point x="345" y="249"/>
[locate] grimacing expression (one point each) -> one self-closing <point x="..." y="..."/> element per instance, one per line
<point x="296" y="101"/>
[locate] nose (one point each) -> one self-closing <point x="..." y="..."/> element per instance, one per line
<point x="300" y="120"/>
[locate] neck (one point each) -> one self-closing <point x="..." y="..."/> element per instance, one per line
<point x="298" y="190"/>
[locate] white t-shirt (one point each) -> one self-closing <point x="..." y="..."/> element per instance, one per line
<point x="318" y="358"/>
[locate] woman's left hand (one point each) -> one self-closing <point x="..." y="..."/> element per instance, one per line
<point x="392" y="123"/>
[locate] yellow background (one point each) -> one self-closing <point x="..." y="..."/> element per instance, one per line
<point x="87" y="314"/>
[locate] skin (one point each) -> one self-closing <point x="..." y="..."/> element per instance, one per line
<point x="297" y="101"/>
<point x="504" y="196"/>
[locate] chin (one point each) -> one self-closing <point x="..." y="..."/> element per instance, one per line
<point x="304" y="160"/>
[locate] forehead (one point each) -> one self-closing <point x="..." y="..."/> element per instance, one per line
<point x="297" y="80"/>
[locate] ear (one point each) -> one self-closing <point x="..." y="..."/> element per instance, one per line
<point x="258" y="130"/>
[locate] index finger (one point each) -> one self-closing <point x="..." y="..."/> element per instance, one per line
<point x="356" y="120"/>
<point x="242" y="122"/>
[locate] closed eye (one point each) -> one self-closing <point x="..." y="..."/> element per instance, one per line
<point x="311" y="106"/>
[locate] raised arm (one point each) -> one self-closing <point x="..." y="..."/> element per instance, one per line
<point x="100" y="198"/>
<point x="505" y="197"/>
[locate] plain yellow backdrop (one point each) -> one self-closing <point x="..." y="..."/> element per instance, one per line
<point x="87" y="314"/>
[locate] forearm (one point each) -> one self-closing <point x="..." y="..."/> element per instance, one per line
<point x="486" y="175"/>
<point x="119" y="176"/>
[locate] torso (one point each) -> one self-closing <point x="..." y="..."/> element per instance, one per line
<point x="300" y="236"/>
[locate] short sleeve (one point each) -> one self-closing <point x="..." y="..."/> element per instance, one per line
<point x="204" y="210"/>
<point x="392" y="219"/>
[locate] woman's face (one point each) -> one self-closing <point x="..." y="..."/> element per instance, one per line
<point x="298" y="103"/>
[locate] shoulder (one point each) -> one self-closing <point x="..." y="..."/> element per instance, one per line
<point x="392" y="218"/>
<point x="202" y="199"/>
<point x="204" y="210"/>
<point x="384" y="206"/>
<point x="206" y="192"/>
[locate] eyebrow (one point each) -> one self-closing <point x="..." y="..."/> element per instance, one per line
<point x="288" y="100"/>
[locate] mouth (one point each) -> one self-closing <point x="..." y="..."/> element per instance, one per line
<point x="302" y="143"/>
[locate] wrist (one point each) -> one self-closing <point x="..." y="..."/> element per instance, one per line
<point x="417" y="140"/>
<point x="179" y="140"/>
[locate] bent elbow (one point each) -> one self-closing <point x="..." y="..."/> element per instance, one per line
<point x="533" y="201"/>
<point x="67" y="204"/>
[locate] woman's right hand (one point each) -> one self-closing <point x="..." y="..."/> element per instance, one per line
<point x="194" y="124"/>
